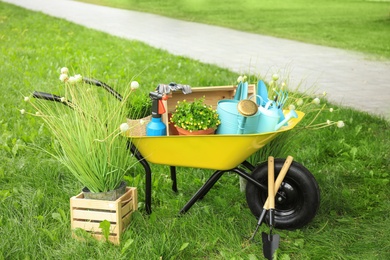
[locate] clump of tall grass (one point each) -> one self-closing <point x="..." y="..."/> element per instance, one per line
<point x="313" y="105"/>
<point x="86" y="123"/>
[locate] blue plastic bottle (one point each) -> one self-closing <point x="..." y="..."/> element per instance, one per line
<point x="156" y="127"/>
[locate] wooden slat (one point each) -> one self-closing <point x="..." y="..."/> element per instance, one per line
<point x="93" y="215"/>
<point x="128" y="194"/>
<point x="113" y="238"/>
<point x="79" y="201"/>
<point x="212" y="95"/>
<point x="135" y="199"/>
<point x="126" y="208"/>
<point x="93" y="204"/>
<point x="126" y="221"/>
<point x="92" y="226"/>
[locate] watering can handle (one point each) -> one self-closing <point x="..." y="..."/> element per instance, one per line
<point x="241" y="91"/>
<point x="262" y="101"/>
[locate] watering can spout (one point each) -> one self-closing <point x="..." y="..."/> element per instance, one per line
<point x="291" y="114"/>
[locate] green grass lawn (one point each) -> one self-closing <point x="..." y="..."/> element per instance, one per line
<point x="351" y="164"/>
<point x="362" y="26"/>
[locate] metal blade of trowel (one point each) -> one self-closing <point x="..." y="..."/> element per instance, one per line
<point x="270" y="241"/>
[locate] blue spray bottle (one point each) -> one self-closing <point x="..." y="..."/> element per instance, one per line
<point x="156" y="127"/>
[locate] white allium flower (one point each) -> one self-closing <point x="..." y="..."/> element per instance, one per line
<point x="328" y="122"/>
<point x="284" y="84"/>
<point x="37" y="113"/>
<point x="134" y="85"/>
<point x="291" y="107"/>
<point x="62" y="99"/>
<point x="275" y="77"/>
<point x="331" y="109"/>
<point x="300" y="102"/>
<point x="64" y="70"/>
<point x="324" y="93"/>
<point x="64" y="77"/>
<point x="340" y="124"/>
<point x="316" y="101"/>
<point x="78" y="78"/>
<point x="124" y="127"/>
<point x="240" y="79"/>
<point x="22" y="111"/>
<point x="26" y="99"/>
<point x="72" y="80"/>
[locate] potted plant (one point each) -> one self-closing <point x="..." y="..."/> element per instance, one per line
<point x="139" y="111"/>
<point x="195" y="117"/>
<point x="85" y="123"/>
<point x="87" y="127"/>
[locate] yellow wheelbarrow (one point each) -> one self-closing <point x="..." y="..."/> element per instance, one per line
<point x="297" y="200"/>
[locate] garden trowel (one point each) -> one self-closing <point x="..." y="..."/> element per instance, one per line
<point x="270" y="241"/>
<point x="278" y="182"/>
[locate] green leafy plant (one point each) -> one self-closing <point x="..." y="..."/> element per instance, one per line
<point x="140" y="105"/>
<point x="196" y="115"/>
<point x="86" y="125"/>
<point x="105" y="227"/>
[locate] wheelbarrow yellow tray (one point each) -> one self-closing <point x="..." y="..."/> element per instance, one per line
<point x="217" y="152"/>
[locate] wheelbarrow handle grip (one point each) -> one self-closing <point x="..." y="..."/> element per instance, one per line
<point x="103" y="85"/>
<point x="52" y="97"/>
<point x="46" y="96"/>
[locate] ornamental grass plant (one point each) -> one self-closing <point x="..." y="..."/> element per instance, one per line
<point x="318" y="115"/>
<point x="86" y="124"/>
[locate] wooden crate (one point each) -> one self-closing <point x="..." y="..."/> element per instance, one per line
<point x="87" y="214"/>
<point x="212" y="95"/>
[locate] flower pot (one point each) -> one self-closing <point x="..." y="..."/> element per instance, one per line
<point x="87" y="214"/>
<point x="208" y="131"/>
<point x="109" y="195"/>
<point x="138" y="126"/>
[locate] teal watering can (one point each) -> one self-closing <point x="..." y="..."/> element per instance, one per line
<point x="269" y="118"/>
<point x="232" y="121"/>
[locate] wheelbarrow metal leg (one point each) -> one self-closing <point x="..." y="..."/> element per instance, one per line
<point x="248" y="165"/>
<point x="249" y="178"/>
<point x="148" y="186"/>
<point x="173" y="178"/>
<point x="203" y="190"/>
<point x="148" y="177"/>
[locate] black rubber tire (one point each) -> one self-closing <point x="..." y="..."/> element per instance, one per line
<point x="301" y="195"/>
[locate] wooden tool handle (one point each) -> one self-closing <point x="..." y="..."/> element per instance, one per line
<point x="271" y="182"/>
<point x="280" y="178"/>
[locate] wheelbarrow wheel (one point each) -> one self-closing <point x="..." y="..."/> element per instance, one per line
<point x="297" y="200"/>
